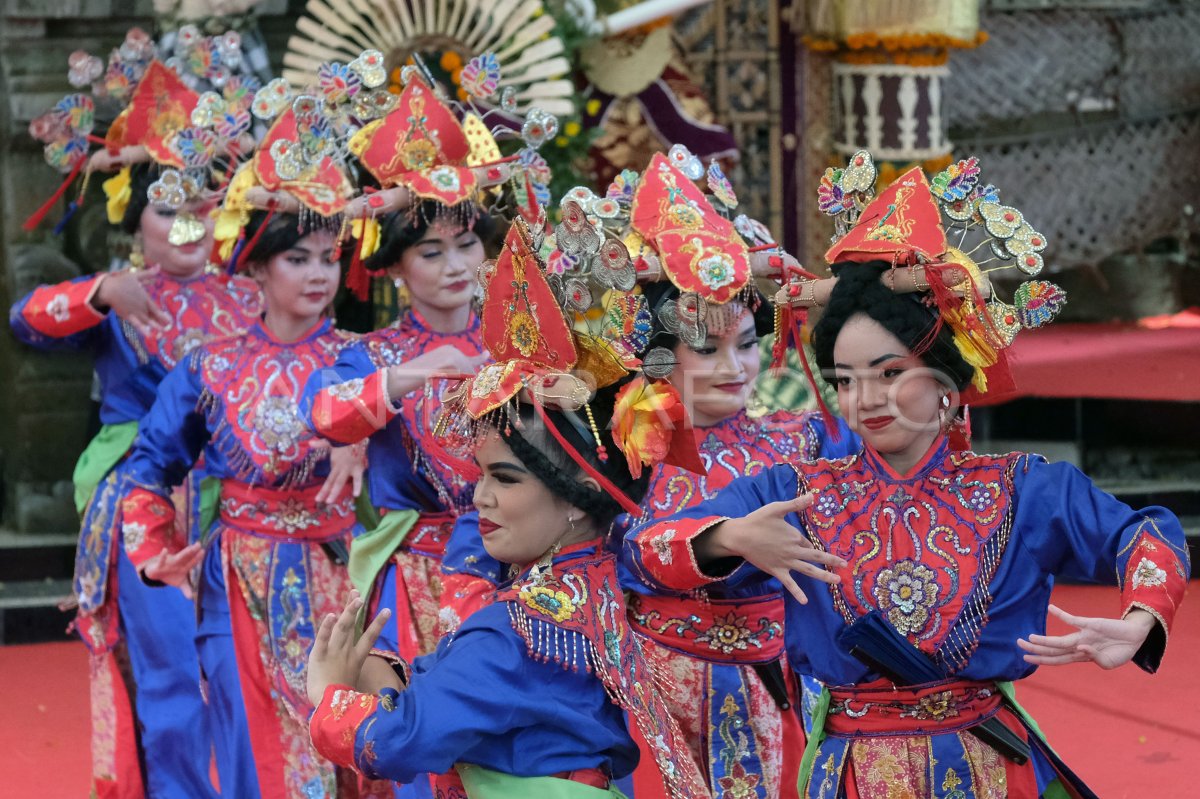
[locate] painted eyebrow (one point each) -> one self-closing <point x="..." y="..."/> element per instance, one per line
<point x="502" y="465"/>
<point x="875" y="362"/>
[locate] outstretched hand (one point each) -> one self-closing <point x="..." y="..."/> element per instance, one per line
<point x="768" y="540"/>
<point x="346" y="465"/>
<point x="338" y="655"/>
<point x="1108" y="643"/>
<point x="175" y="568"/>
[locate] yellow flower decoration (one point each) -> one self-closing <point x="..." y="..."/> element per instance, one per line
<point x="548" y="602"/>
<point x="572" y="129"/>
<point x="118" y="189"/>
<point x="367" y="231"/>
<point x="234" y="213"/>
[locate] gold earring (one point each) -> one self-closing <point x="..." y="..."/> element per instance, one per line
<point x="137" y="259"/>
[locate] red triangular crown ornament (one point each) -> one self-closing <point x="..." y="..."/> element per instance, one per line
<point x="698" y="248"/>
<point x="522" y="320"/>
<point x="420" y="145"/>
<point x="324" y="189"/>
<point x="903" y="225"/>
<point x="161" y="105"/>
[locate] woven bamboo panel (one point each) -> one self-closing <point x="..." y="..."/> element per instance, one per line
<point x="1112" y="189"/>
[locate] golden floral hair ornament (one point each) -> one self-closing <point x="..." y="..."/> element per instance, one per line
<point x="163" y="119"/>
<point x="526" y="331"/>
<point x="934" y="233"/>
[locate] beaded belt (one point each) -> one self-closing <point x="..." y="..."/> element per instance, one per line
<point x="430" y="534"/>
<point x="292" y="514"/>
<point x="736" y="631"/>
<point x="880" y="708"/>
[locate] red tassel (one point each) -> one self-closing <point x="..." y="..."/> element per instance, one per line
<point x="358" y="279"/>
<point x="791" y="332"/>
<point x="622" y="499"/>
<point x="239" y="259"/>
<point x="37" y="216"/>
<point x="960" y="432"/>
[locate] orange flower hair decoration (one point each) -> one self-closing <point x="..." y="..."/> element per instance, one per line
<point x="650" y="425"/>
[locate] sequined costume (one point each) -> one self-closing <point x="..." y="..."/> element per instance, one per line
<point x="115" y="609"/>
<point x="960" y="556"/>
<point x="744" y="734"/>
<point x="418" y="493"/>
<point x="525" y="699"/>
<point x="272" y="547"/>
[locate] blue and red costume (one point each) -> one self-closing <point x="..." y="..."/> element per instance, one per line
<point x="270" y="572"/>
<point x="737" y="728"/>
<point x="959" y="556"/>
<point x="527" y="695"/>
<point x="115" y="607"/>
<point x="417" y="492"/>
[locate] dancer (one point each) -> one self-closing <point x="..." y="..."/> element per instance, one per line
<point x="139" y="321"/>
<point x="934" y="566"/>
<point x="274" y="560"/>
<point x="387" y="387"/>
<point x="526" y="698"/>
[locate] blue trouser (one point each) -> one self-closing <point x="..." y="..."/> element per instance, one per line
<point x="158" y="625"/>
<point x="214" y="641"/>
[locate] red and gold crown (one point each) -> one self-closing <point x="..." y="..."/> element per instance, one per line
<point x="419" y="145"/>
<point x="906" y="225"/>
<point x="698" y="248"/>
<point x="541" y="360"/>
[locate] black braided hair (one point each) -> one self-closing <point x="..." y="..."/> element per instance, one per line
<point x="662" y="291"/>
<point x="141" y="175"/>
<point x="400" y="230"/>
<point x="906" y="316"/>
<point x="545" y="458"/>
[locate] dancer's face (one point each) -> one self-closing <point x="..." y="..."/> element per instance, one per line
<point x="178" y="261"/>
<point x="715" y="381"/>
<point x="300" y="282"/>
<point x="441" y="269"/>
<point x="887" y="395"/>
<point x="519" y="517"/>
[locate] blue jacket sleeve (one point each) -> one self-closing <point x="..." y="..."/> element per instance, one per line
<point x="661" y="554"/>
<point x="172" y="434"/>
<point x="1074" y="530"/>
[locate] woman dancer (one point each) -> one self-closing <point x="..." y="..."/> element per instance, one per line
<point x="274" y="560"/>
<point x="139" y="322"/>
<point x="934" y="566"/>
<point x="387" y="387"/>
<point x="526" y="698"/>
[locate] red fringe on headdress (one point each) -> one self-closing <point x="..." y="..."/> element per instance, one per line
<point x="790" y="332"/>
<point x="630" y="507"/>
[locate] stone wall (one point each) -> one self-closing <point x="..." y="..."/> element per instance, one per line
<point x="45" y="409"/>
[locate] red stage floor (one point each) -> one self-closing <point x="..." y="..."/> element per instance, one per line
<point x="1129" y="734"/>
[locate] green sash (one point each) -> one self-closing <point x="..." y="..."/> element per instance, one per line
<point x="370" y="552"/>
<point x="482" y="783"/>
<point x="819" y="713"/>
<point x="102" y="454"/>
<point x="210" y="505"/>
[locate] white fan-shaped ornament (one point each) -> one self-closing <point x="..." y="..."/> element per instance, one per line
<point x="536" y="69"/>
